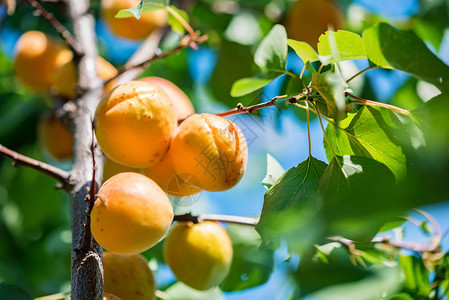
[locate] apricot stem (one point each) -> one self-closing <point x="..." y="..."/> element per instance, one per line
<point x="359" y="73"/>
<point x="219" y="218"/>
<point x="366" y="102"/>
<point x="61" y="29"/>
<point x="22" y="160"/>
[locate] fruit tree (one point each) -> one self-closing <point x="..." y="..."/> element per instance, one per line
<point x="272" y="149"/>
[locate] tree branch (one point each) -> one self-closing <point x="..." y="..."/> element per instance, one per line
<point x="132" y="65"/>
<point x="219" y="218"/>
<point x="22" y="160"/>
<point x="62" y="31"/>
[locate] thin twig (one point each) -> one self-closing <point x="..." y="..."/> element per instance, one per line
<point x="184" y="43"/>
<point x="219" y="218"/>
<point x="359" y="73"/>
<point x="61" y="29"/>
<point x="308" y="129"/>
<point x="240" y="109"/>
<point x="22" y="160"/>
<point x="322" y="128"/>
<point x="367" y="102"/>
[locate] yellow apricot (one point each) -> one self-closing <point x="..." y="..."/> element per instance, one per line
<point x="307" y="19"/>
<point x="131" y="28"/>
<point x="131" y="214"/>
<point x="135" y="122"/>
<point x="200" y="254"/>
<point x="107" y="296"/>
<point x="209" y="152"/>
<point x="128" y="276"/>
<point x="37" y="59"/>
<point x="168" y="179"/>
<point x="183" y="105"/>
<point x="66" y="77"/>
<point x="56" y="138"/>
<point x="112" y="168"/>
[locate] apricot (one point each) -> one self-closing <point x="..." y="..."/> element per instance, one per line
<point x="183" y="105"/>
<point x="128" y="276"/>
<point x="199" y="255"/>
<point x="112" y="168"/>
<point x="107" y="296"/>
<point x="131" y="28"/>
<point x="37" y="58"/>
<point x="131" y="214"/>
<point x="209" y="152"/>
<point x="135" y="122"/>
<point x="168" y="179"/>
<point x="67" y="75"/>
<point x="306" y="20"/>
<point x="56" y="138"/>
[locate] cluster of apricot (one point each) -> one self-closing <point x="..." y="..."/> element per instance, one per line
<point x="136" y="127"/>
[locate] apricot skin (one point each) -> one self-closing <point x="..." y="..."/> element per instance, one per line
<point x="131" y="28"/>
<point x="200" y="254"/>
<point x="131" y="214"/>
<point x="37" y="58"/>
<point x="135" y="122"/>
<point x="128" y="277"/>
<point x="307" y="19"/>
<point x="209" y="152"/>
<point x="182" y="103"/>
<point x="168" y="179"/>
<point x="56" y="138"/>
<point x="66" y="77"/>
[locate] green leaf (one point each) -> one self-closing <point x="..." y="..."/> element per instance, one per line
<point x="426" y="228"/>
<point x="292" y="197"/>
<point x="404" y="51"/>
<point x="12" y="292"/>
<point x="245" y="86"/>
<point x="274" y="172"/>
<point x="143" y="7"/>
<point x="174" y="22"/>
<point x="392" y="224"/>
<point x="271" y="55"/>
<point x="303" y="50"/>
<point x="349" y="45"/>
<point x="416" y="275"/>
<point x="367" y="133"/>
<point x="331" y="88"/>
<point x="252" y="264"/>
<point x="180" y="291"/>
<point x="354" y="193"/>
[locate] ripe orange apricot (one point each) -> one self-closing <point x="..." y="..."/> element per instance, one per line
<point x="131" y="214"/>
<point x="66" y="77"/>
<point x="131" y="28"/>
<point x="306" y="20"/>
<point x="128" y="276"/>
<point x="209" y="152"/>
<point x="112" y="168"/>
<point x="56" y="138"/>
<point x="135" y="122"/>
<point x="200" y="254"/>
<point x="168" y="179"/>
<point x="107" y="296"/>
<point x="37" y="58"/>
<point x="183" y="105"/>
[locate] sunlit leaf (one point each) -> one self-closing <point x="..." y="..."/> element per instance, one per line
<point x="349" y="45"/>
<point x="174" y="22"/>
<point x="143" y="7"/>
<point x="304" y="51"/>
<point x="245" y="86"/>
<point x="271" y="55"/>
<point x="274" y="172"/>
<point x="180" y="291"/>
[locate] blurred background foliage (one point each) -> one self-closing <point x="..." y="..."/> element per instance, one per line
<point x="35" y="233"/>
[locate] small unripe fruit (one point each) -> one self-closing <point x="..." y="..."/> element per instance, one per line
<point x="131" y="214"/>
<point x="37" y="59"/>
<point x="182" y="103"/>
<point x="168" y="179"/>
<point x="128" y="276"/>
<point x="308" y="19"/>
<point x="107" y="296"/>
<point x="112" y="168"/>
<point x="200" y="254"/>
<point x="209" y="152"/>
<point x="66" y="77"/>
<point x="131" y="28"/>
<point x="56" y="138"/>
<point x="135" y="122"/>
